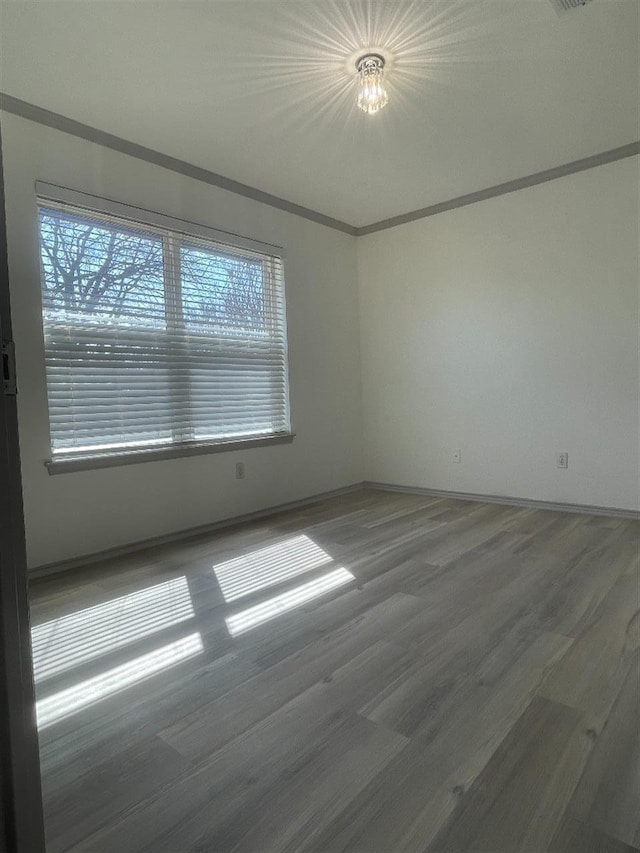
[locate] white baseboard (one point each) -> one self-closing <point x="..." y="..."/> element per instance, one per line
<point x="49" y="569"/>
<point x="503" y="499"/>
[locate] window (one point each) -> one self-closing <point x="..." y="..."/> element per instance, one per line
<point x="156" y="339"/>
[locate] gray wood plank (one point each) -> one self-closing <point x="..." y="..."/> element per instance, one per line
<point x="590" y="675"/>
<point x="307" y="742"/>
<point x="213" y="725"/>
<point x="608" y="794"/>
<point x="574" y="836"/>
<point x="403" y="809"/>
<point x="107" y="791"/>
<point x="518" y="801"/>
<point x="470" y="688"/>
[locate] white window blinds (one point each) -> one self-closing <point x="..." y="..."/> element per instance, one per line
<point x="155" y="338"/>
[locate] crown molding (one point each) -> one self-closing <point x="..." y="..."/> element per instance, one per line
<point x="54" y="120"/>
<point x="610" y="156"/>
<point x="24" y="109"/>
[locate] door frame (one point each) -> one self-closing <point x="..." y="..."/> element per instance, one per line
<point x="21" y="814"/>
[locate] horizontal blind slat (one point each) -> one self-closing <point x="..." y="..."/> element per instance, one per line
<point x="136" y="357"/>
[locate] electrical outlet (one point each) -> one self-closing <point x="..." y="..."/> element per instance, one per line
<point x="457" y="456"/>
<point x="239" y="470"/>
<point x="562" y="460"/>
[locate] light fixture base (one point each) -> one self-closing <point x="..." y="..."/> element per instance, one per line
<point x="372" y="95"/>
<point x="370" y="60"/>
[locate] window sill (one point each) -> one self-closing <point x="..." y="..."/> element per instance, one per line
<point x="134" y="457"/>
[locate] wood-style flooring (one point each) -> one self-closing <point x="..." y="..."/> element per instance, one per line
<point x="373" y="673"/>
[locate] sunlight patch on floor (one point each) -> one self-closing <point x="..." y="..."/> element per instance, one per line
<point x="63" y="643"/>
<point x="69" y="701"/>
<point x="269" y="566"/>
<point x="245" y="620"/>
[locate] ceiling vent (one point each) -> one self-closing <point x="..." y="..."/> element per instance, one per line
<point x="563" y="6"/>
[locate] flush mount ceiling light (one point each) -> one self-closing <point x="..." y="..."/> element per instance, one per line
<point x="372" y="95"/>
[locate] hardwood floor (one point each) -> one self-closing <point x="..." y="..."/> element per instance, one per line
<point x="374" y="673"/>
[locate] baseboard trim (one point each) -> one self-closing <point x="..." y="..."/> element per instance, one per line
<point x="585" y="509"/>
<point x="49" y="570"/>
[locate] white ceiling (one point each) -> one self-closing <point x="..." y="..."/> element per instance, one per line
<point x="262" y="91"/>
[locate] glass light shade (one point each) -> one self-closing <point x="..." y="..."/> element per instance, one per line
<point x="372" y="95"/>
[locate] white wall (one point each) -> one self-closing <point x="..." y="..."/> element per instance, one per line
<point x="74" y="514"/>
<point x="508" y="329"/>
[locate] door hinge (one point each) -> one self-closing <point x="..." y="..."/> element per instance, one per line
<point x="9" y="367"/>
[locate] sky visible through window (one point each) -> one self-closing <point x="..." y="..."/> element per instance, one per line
<point x="112" y="274"/>
<point x="157" y="338"/>
<point x="99" y="272"/>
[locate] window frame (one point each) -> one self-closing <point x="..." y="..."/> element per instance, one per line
<point x="193" y="235"/>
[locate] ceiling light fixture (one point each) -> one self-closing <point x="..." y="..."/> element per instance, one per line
<point x="372" y="95"/>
